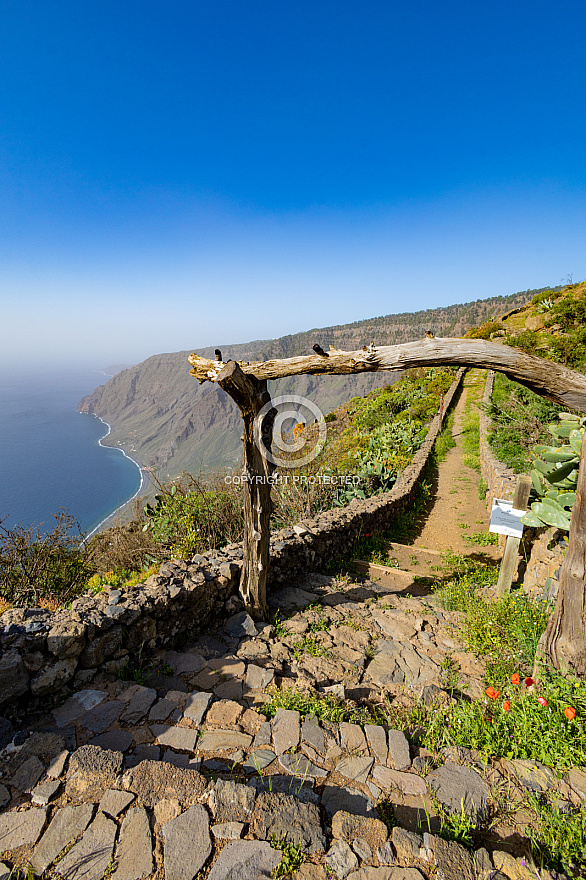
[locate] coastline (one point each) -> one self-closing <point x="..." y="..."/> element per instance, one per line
<point x="121" y="507"/>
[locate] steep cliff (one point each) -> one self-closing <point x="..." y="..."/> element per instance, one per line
<point x="161" y="416"/>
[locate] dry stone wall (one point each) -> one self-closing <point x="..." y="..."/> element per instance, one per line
<point x="44" y="653"/>
<point x="542" y="550"/>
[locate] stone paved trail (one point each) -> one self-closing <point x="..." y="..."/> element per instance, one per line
<point x="182" y="777"/>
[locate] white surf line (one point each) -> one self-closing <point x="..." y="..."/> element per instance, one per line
<point x="129" y="457"/>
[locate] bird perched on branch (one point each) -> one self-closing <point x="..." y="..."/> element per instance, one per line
<point x="218" y="354"/>
<point x="319" y="350"/>
<point x="430" y="334"/>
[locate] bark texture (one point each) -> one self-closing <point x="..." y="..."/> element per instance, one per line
<point x="557" y="383"/>
<point x="564" y="641"/>
<point x="251" y="396"/>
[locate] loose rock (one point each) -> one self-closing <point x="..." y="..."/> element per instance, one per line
<point x="67" y="825"/>
<point x="245" y="860"/>
<point x="285" y="730"/>
<point x="114" y="802"/>
<point x="287" y="818"/>
<point x="187" y="844"/>
<point x="89" y="858"/>
<point x="134" y="853"/>
<point x="91" y="771"/>
<point x="399" y="756"/>
<point x="341" y="859"/>
<point x="460" y="787"/>
<point x="231" y="801"/>
<point x="21" y="829"/>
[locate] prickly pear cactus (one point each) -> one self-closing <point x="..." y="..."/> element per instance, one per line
<point x="555" y="474"/>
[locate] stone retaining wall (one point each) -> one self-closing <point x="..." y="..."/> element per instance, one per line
<point x="44" y="652"/>
<point x="542" y="551"/>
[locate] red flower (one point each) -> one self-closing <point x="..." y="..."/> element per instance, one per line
<point x="570" y="713"/>
<point x="516" y="678"/>
<point x="491" y="693"/>
<point x="542" y="700"/>
<point x="528" y="682"/>
<point x="506" y="705"/>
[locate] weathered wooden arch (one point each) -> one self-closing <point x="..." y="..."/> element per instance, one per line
<point x="564" y="642"/>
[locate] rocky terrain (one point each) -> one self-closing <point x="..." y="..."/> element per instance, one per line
<point x="183" y="776"/>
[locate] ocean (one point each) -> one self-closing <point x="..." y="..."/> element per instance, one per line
<point x="50" y="457"/>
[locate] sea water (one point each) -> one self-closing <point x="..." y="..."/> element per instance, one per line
<point x="50" y="454"/>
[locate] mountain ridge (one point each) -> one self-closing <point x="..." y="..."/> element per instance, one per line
<point x="162" y="417"/>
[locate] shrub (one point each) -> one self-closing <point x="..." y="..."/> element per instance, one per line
<point x="485" y="330"/>
<point x="542" y="297"/>
<point x="188" y="518"/>
<point x="555" y="475"/>
<point x="36" y="567"/>
<point x="124" y="546"/>
<point x="518" y="421"/>
<point x="526" y="340"/>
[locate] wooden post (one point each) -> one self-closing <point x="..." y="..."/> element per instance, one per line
<point x="509" y="560"/>
<point x="251" y="396"/>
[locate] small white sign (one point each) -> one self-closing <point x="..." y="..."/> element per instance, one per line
<point x="505" y="519"/>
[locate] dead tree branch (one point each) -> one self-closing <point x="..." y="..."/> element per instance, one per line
<point x="557" y="383"/>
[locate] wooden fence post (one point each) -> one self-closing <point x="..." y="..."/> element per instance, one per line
<point x="509" y="560"/>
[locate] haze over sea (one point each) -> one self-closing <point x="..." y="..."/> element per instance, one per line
<point x="50" y="457"/>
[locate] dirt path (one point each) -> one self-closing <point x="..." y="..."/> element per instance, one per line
<point x="457" y="509"/>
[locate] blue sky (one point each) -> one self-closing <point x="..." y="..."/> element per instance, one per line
<point x="193" y="173"/>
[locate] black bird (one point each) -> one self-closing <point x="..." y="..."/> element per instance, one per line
<point x="319" y="350"/>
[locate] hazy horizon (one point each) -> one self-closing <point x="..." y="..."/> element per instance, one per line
<point x="201" y="175"/>
<point x="30" y="370"/>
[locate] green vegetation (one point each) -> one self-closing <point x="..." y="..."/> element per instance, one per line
<point x="406" y="524"/>
<point x="486" y="330"/>
<point x="562" y="337"/>
<point x="309" y="645"/>
<point x="475" y="382"/>
<point x="558" y="837"/>
<point x="386" y="811"/>
<point x="482" y="539"/>
<point x="568" y="312"/>
<point x="43" y="569"/>
<point x="456" y="826"/>
<point x="281" y="630"/>
<point x="503" y="633"/>
<point x="292" y="860"/>
<point x="517" y="722"/>
<point x="121" y="577"/>
<point x="555" y="475"/>
<point x="136" y="673"/>
<point x="373" y="438"/>
<point x="188" y="518"/>
<point x="519" y="420"/>
<point x="326" y="707"/>
<point x="445" y="440"/>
